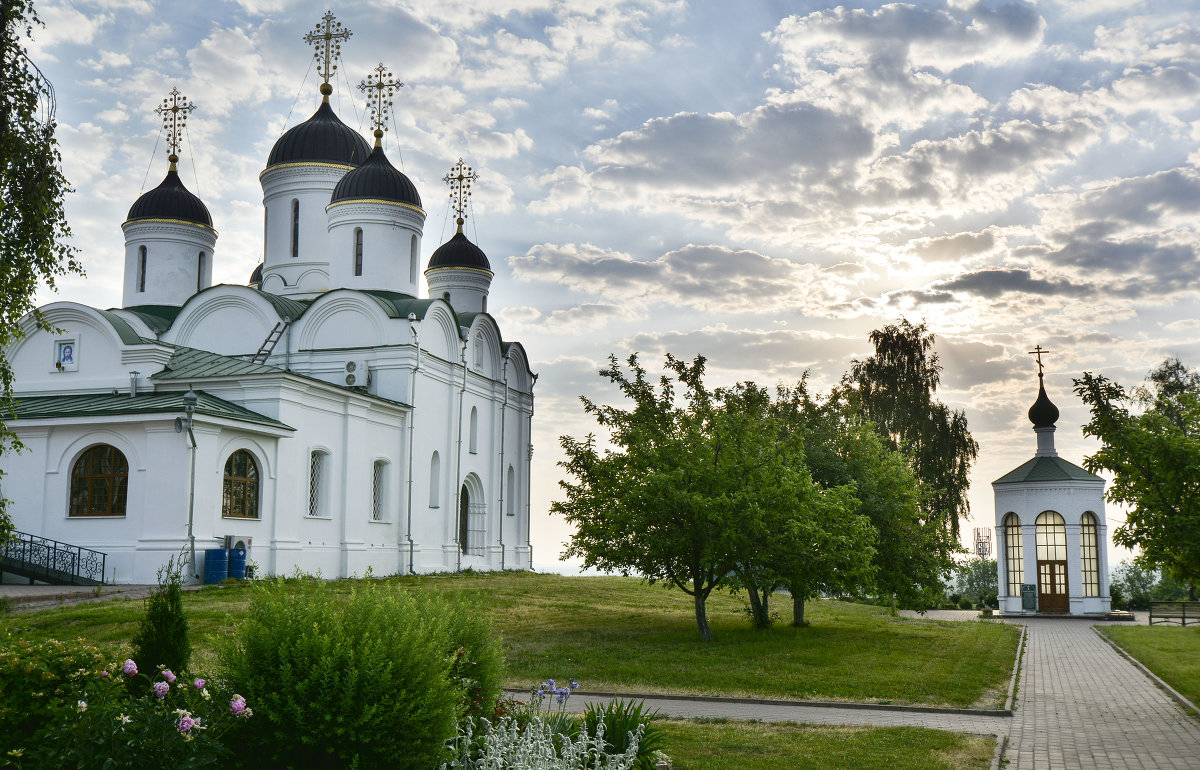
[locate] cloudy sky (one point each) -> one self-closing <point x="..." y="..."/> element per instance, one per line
<point x="763" y="183"/>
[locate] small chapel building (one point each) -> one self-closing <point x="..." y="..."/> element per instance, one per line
<point x="1051" y="529"/>
<point x="333" y="415"/>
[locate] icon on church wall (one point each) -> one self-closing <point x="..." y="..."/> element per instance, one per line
<point x="66" y="355"/>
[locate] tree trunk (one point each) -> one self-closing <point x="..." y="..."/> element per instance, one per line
<point x="797" y="609"/>
<point x="759" y="616"/>
<point x="706" y="634"/>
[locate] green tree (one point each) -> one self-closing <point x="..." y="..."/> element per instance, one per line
<point x="1154" y="459"/>
<point x="893" y="388"/>
<point x="811" y="539"/>
<point x="1135" y="583"/>
<point x="978" y="580"/>
<point x="33" y="228"/>
<point x="697" y="485"/>
<point x="909" y="559"/>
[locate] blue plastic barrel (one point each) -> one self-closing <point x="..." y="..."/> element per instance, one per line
<point x="237" y="563"/>
<point x="216" y="565"/>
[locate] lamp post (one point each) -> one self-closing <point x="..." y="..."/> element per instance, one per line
<point x="189" y="409"/>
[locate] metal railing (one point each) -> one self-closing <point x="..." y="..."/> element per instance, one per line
<point x="40" y="558"/>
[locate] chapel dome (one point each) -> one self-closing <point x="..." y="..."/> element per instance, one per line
<point x="1043" y="413"/>
<point x="257" y="276"/>
<point x="170" y="200"/>
<point x="323" y="138"/>
<point x="376" y="179"/>
<point x="459" y="252"/>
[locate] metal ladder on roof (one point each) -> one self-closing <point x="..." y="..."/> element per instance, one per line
<point x="264" y="352"/>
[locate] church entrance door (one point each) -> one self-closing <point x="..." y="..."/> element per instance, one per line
<point x="464" y="509"/>
<point x="1052" y="563"/>
<point x="1052" y="586"/>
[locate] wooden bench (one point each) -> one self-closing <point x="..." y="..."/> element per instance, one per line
<point x="1175" y="612"/>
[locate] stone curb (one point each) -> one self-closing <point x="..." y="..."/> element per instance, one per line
<point x="998" y="755"/>
<point x="1187" y="705"/>
<point x="1012" y="680"/>
<point x="779" y="702"/>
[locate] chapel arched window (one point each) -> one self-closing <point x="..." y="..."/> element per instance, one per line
<point x="99" y="482"/>
<point x="358" y="251"/>
<point x="1014" y="563"/>
<point x="141" y="269"/>
<point x="1089" y="555"/>
<point x="295" y="227"/>
<point x="473" y="444"/>
<point x="240" y="486"/>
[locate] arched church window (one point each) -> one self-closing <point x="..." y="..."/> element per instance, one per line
<point x="412" y="261"/>
<point x="1089" y="561"/>
<point x="464" y="520"/>
<point x="239" y="494"/>
<point x="1014" y="563"/>
<point x="474" y="441"/>
<point x="99" y="482"/>
<point x="378" y="489"/>
<point x="141" y="269"/>
<point x="358" y="248"/>
<point x="435" y="479"/>
<point x="317" y="471"/>
<point x="200" y="273"/>
<point x="295" y="227"/>
<point x="511" y="491"/>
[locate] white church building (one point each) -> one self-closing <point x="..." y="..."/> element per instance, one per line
<point x="333" y="414"/>
<point x="1051" y="529"/>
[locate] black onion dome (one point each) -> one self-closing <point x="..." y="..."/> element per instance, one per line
<point x="170" y="200"/>
<point x="256" y="276"/>
<point x="323" y="138"/>
<point x="459" y="252"/>
<point x="1043" y="413"/>
<point x="377" y="179"/>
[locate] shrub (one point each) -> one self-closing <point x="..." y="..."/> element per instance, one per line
<point x="168" y="721"/>
<point x="477" y="661"/>
<point x="364" y="679"/>
<point x="618" y="722"/>
<point x="38" y="680"/>
<point x="965" y="604"/>
<point x="162" y="638"/>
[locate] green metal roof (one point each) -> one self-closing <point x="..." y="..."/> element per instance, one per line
<point x="287" y="307"/>
<point x="109" y="405"/>
<point x="189" y="363"/>
<point x="124" y="330"/>
<point x="1046" y="469"/>
<point x="397" y="304"/>
<point x="158" y="317"/>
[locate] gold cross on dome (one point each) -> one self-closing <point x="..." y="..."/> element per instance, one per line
<point x="460" y="178"/>
<point x="174" y="111"/>
<point x="383" y="87"/>
<point x="327" y="39"/>
<point x="1038" y="351"/>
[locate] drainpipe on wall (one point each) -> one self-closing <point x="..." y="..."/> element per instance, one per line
<point x="458" y="468"/>
<point x="412" y="413"/>
<point x="529" y="472"/>
<point x="503" y="470"/>
<point x="189" y="409"/>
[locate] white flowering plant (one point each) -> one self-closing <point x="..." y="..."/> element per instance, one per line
<point x="506" y="745"/>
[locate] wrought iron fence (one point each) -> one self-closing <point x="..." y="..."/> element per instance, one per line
<point x="40" y="558"/>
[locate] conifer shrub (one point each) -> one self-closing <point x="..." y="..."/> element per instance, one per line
<point x="375" y="678"/>
<point x="162" y="639"/>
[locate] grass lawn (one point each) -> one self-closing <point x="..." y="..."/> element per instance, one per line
<point x="1171" y="652"/>
<point x="732" y="745"/>
<point x="620" y="634"/>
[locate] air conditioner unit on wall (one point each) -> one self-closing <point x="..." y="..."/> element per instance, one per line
<point x="237" y="541"/>
<point x="357" y="374"/>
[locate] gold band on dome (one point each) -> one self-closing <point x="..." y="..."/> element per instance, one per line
<point x="460" y="267"/>
<point x="297" y="164"/>
<point x="170" y="221"/>
<point x="417" y="209"/>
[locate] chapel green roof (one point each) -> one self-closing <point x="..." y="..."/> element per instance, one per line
<point x="1046" y="468"/>
<point x="157" y="317"/>
<point x="110" y="405"/>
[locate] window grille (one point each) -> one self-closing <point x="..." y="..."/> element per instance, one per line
<point x="477" y="526"/>
<point x="1013" y="553"/>
<point x="239" y="495"/>
<point x="99" y="482"/>
<point x="1089" y="561"/>
<point x="378" y="477"/>
<point x="316" y="470"/>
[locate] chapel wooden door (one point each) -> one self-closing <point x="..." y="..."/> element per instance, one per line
<point x="1052" y="586"/>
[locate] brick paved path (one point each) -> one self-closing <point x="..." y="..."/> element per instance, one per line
<point x="1081" y="705"/>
